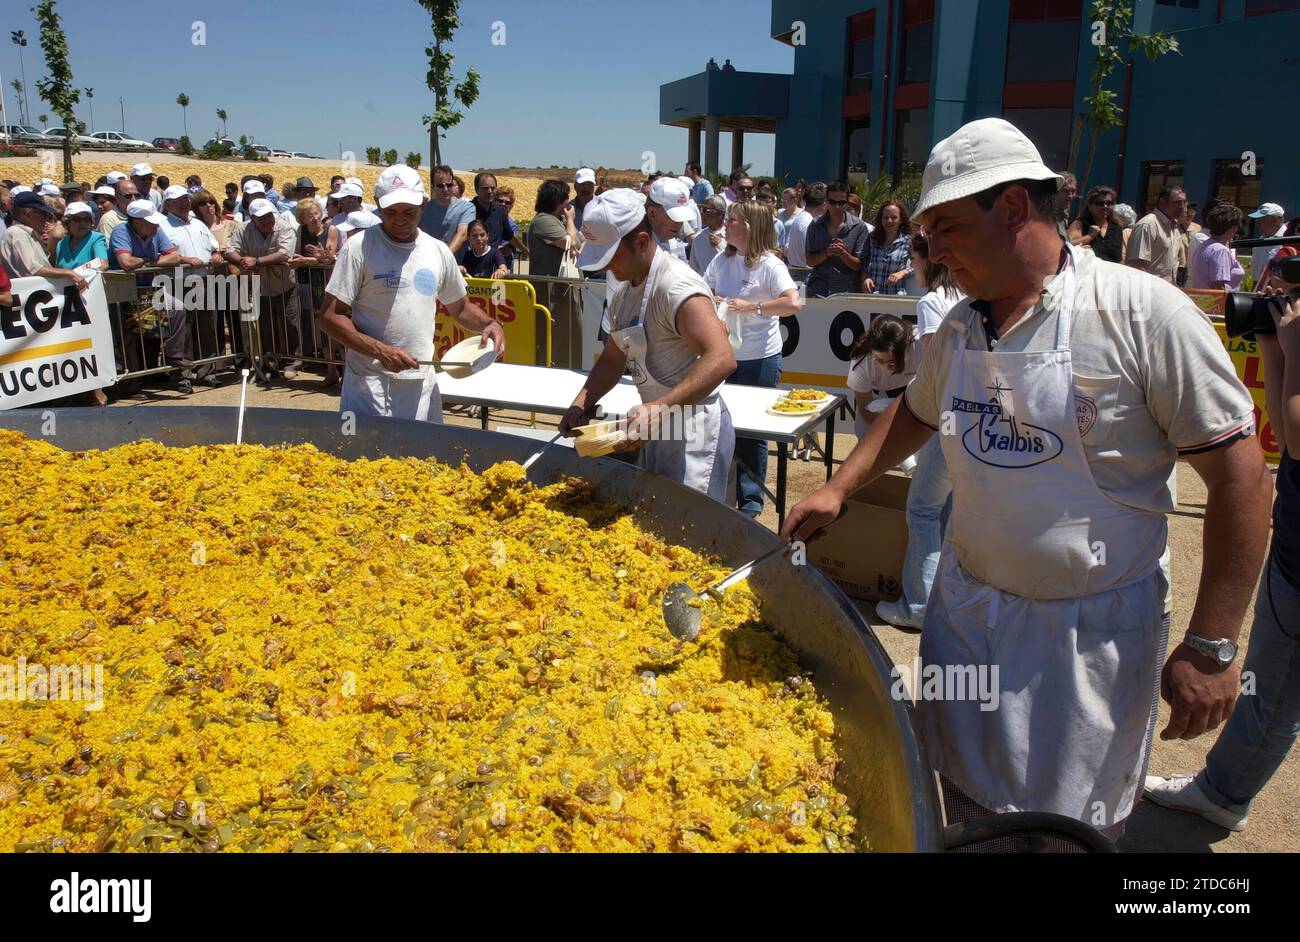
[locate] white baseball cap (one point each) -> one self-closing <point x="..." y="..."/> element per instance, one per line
<point x="142" y="170"/>
<point x="44" y="181"/>
<point x="686" y="182"/>
<point x="674" y="198"/>
<point x="175" y="192"/>
<point x="607" y="218"/>
<point x="399" y="184"/>
<point x="49" y="189"/>
<point x="20" y="188"/>
<point x="359" y="219"/>
<point x="977" y="156"/>
<point x="104" y="191"/>
<point x="357" y="182"/>
<point x="1268" y="209"/>
<point x="260" y="207"/>
<point x="77" y="208"/>
<point x="114" y="176"/>
<point x="143" y="209"/>
<point x="254" y="186"/>
<point x="348" y="189"/>
<point x="585" y="175"/>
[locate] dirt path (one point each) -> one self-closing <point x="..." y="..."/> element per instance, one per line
<point x="1274" y="824"/>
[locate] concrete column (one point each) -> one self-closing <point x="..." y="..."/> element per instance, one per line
<point x="693" y="142"/>
<point x="737" y="149"/>
<point x="711" y="129"/>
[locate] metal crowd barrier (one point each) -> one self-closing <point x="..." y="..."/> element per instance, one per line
<point x="230" y="321"/>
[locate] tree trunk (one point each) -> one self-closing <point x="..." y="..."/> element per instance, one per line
<point x="435" y="156"/>
<point x="67" y="153"/>
<point x="1087" y="169"/>
<point x="1075" y="140"/>
<point x="185" y="122"/>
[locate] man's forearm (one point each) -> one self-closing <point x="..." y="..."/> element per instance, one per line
<point x="1233" y="544"/>
<point x="1274" y="367"/>
<point x="472" y="317"/>
<point x="891" y="438"/>
<point x="339" y="327"/>
<point x="813" y="259"/>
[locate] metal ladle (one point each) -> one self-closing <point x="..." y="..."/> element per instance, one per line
<point x="683" y="618"/>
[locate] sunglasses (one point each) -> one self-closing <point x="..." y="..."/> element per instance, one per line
<point x="445" y="186"/>
<point x="744" y="188"/>
<point x="838" y="202"/>
<point x="1103" y="202"/>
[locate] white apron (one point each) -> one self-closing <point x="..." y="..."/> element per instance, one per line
<point x="1049" y="581"/>
<point x="412" y="394"/>
<point x="699" y="453"/>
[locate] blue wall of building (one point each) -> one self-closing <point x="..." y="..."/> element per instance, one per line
<point x="1232" y="89"/>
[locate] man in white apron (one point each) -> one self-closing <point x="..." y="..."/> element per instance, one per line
<point x="1063" y="389"/>
<point x="665" y="331"/>
<point x="381" y="302"/>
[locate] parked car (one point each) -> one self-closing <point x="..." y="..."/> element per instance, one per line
<point x="262" y="150"/>
<point x="276" y="152"/>
<point x="299" y="154"/>
<point x="216" y="142"/>
<point x="55" y="136"/>
<point x="23" y="134"/>
<point x="114" y="139"/>
<point x="166" y="143"/>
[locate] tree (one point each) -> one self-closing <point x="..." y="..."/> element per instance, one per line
<point x="390" y="157"/>
<point x="373" y="155"/>
<point x="44" y="119"/>
<point x="221" y="113"/>
<point x="17" y="86"/>
<point x="57" y="90"/>
<point x="184" y="101"/>
<point x="412" y="160"/>
<point x="1116" y="44"/>
<point x="445" y="15"/>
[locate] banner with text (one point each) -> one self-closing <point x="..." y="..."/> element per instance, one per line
<point x="54" y="341"/>
<point x="527" y="325"/>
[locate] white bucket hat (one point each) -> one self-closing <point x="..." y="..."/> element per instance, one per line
<point x="978" y="156"/>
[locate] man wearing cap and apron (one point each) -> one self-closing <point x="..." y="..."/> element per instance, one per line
<point x="381" y="302"/>
<point x="1063" y="388"/>
<point x="666" y="332"/>
<point x="669" y="207"/>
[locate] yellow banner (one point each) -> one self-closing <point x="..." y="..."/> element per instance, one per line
<point x="1250" y="368"/>
<point x="527" y="324"/>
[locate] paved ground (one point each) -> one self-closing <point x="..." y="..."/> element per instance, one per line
<point x="1274" y="823"/>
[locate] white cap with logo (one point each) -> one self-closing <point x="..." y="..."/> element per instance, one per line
<point x="607" y="218"/>
<point x="584" y="175"/>
<point x="142" y="170"/>
<point x="260" y="207"/>
<point x="254" y="186"/>
<point x="77" y="208"/>
<point x="143" y="209"/>
<point x="399" y="184"/>
<point x="674" y="198"/>
<point x="1268" y="209"/>
<point x="175" y="192"/>
<point x="978" y="156"/>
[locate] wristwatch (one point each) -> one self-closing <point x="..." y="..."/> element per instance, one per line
<point x="759" y="310"/>
<point x="1221" y="649"/>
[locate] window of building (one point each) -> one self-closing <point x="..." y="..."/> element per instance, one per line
<point x="916" y="42"/>
<point x="1227" y="182"/>
<point x="1158" y="175"/>
<point x="1043" y="40"/>
<point x="860" y="59"/>
<point x="911" y="142"/>
<point x="857" y="148"/>
<point x="1261" y="7"/>
<point x="1048" y="128"/>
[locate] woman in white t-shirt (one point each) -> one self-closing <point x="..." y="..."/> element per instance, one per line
<point x="930" y="490"/>
<point x="758" y="290"/>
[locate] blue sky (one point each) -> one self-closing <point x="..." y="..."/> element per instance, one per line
<point x="576" y="81"/>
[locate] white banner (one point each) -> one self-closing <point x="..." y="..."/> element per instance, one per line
<point x="54" y="341"/>
<point x="816" y="341"/>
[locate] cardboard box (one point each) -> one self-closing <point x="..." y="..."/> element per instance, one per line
<point x="863" y="551"/>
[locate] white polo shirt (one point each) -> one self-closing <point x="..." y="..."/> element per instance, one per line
<point x="1152" y="379"/>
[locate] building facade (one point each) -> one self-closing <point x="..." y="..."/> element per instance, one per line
<point x="877" y="82"/>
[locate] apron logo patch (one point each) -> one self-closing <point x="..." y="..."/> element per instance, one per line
<point x="1000" y="440"/>
<point x="1085" y="413"/>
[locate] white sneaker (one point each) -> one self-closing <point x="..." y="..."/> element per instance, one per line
<point x="893" y="613"/>
<point x="1181" y="793"/>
